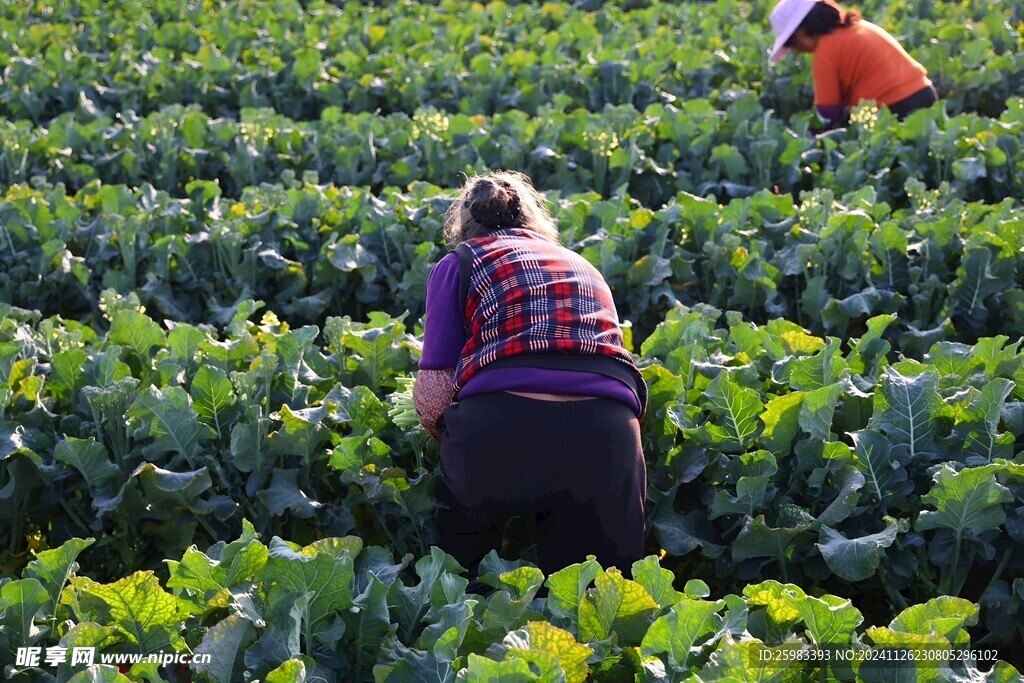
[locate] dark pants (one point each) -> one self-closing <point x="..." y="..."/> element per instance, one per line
<point x="577" y="465"/>
<point x="923" y="98"/>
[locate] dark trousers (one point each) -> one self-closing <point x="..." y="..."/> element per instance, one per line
<point x="577" y="465"/>
<point x="923" y="98"/>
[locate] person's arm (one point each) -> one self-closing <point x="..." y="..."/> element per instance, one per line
<point x="443" y="339"/>
<point x="828" y="94"/>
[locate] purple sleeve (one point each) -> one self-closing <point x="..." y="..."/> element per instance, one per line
<point x="443" y="335"/>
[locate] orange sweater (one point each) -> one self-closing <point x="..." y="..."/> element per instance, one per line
<point x="863" y="62"/>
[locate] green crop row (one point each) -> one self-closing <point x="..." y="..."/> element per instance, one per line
<point x="652" y="155"/>
<point x="336" y="610"/>
<point x="302" y="58"/>
<point x="771" y="452"/>
<point x="950" y="269"/>
<point x="216" y="223"/>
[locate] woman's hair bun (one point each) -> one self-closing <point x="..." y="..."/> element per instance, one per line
<point x="494" y="202"/>
<point x="500" y="200"/>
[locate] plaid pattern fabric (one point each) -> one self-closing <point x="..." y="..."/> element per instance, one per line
<point x="528" y="295"/>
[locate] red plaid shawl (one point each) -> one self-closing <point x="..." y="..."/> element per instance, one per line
<point x="527" y="295"/>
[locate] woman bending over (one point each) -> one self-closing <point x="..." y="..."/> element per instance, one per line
<point x="853" y="60"/>
<point x="525" y="382"/>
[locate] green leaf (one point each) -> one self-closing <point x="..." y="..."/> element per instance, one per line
<point x="11" y="439"/>
<point x="136" y="331"/>
<point x="169" y="419"/>
<point x="413" y="496"/>
<point x="969" y="501"/>
<point x="680" y="534"/>
<point x="817" y="411"/>
<point x="303" y="434"/>
<point x="820" y="370"/>
<point x="541" y="638"/>
<point x="100" y="673"/>
<point x="911" y="668"/>
<point x="225" y="643"/>
<point x="781" y="421"/>
<point x="870" y="351"/>
<point x="616" y="604"/>
<point x="525" y="581"/>
<point x="53" y="567"/>
<point x="484" y="670"/>
<point x="176" y="491"/>
<point x="507" y="611"/>
<point x="242" y="559"/>
<point x="140" y="609"/>
<point x="567" y="587"/>
<point x="370" y="623"/>
<point x="410" y="603"/>
<point x="757" y="539"/>
<point x="855" y="559"/>
<point x="682" y="633"/>
<point x="248" y="444"/>
<point x="845" y="499"/>
<point x="366" y="414"/>
<point x="444" y="637"/>
<point x="1003" y="673"/>
<point x="980" y="432"/>
<point x="213" y="397"/>
<point x="778" y="599"/>
<point x="696" y="588"/>
<point x="240" y="562"/>
<point x="378" y="352"/>
<point x="284" y="494"/>
<point x="657" y="581"/>
<point x="20" y="603"/>
<point x="751" y="493"/>
<point x="307" y="65"/>
<point x="750" y="661"/>
<point x="67" y="374"/>
<point x="183" y="342"/>
<point x="356" y="452"/>
<point x="326" y="576"/>
<point x="89" y="458"/>
<point x="281" y="638"/>
<point x="883" y="467"/>
<point x="409" y="664"/>
<point x="737" y="409"/>
<point x="829" y="620"/>
<point x="87" y="634"/>
<point x="905" y="410"/>
<point x="945" y="614"/>
<point x="754" y="472"/>
<point x="349" y="255"/>
<point x="980" y="276"/>
<point x="292" y="671"/>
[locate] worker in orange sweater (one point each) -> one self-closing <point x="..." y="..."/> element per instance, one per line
<point x="854" y="60"/>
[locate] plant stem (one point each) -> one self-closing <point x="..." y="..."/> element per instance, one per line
<point x="999" y="569"/>
<point x="73" y="515"/>
<point x="963" y="579"/>
<point x="895" y="596"/>
<point x="949" y="579"/>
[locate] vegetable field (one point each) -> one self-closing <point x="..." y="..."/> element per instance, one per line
<point x="216" y="223"/>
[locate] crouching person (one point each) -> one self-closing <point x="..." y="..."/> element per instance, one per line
<point x="525" y="382"/>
